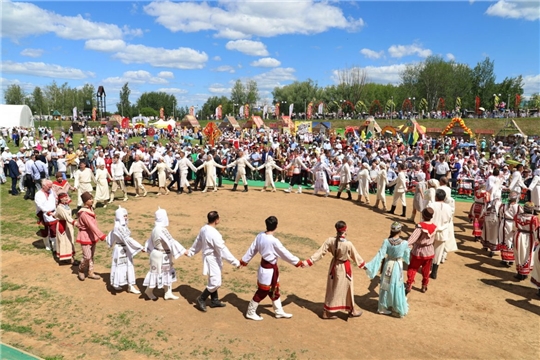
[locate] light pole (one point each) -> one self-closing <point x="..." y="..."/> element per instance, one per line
<point x="305" y="109"/>
<point x="391" y="112"/>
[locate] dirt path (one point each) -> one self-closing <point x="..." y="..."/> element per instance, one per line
<point x="474" y="309"/>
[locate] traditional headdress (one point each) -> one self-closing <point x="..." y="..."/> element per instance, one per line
<point x="395" y="227"/>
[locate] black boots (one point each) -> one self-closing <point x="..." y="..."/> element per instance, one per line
<point x="189" y="190"/>
<point x="234" y="187"/>
<point x="338" y="194"/>
<point x="245" y="188"/>
<point x="434" y="269"/>
<point x="391" y="211"/>
<point x="349" y="196"/>
<point x="520" y="277"/>
<point x="215" y="300"/>
<point x="403" y="214"/>
<point x="200" y="303"/>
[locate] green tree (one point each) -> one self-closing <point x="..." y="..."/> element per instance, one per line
<point x="483" y="83"/>
<point x="351" y="83"/>
<point x="124" y="106"/>
<point x="156" y="101"/>
<point x="38" y="101"/>
<point x="238" y="93"/>
<point x="148" y="111"/>
<point x="14" y="95"/>
<point x="297" y="93"/>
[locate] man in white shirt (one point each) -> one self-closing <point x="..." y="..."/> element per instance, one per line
<point x="45" y="200"/>
<point x="213" y="248"/>
<point x="271" y="250"/>
<point x="118" y="169"/>
<point x="400" y="190"/>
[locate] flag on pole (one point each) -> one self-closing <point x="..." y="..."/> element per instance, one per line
<point x="75" y="113"/>
<point x="265" y="111"/>
<point x="291" y="107"/>
<point x="241" y="111"/>
<point x="246" y="110"/>
<point x="309" y="110"/>
<point x="277" y="111"/>
<point x="320" y="110"/>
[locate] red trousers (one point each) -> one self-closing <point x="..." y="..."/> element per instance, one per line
<point x="414" y="265"/>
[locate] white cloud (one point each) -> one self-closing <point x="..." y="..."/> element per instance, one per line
<point x="528" y="10"/>
<point x="35" y="53"/>
<point x="136" y="77"/>
<point x="24" y="19"/>
<point x="531" y="84"/>
<point x="390" y="74"/>
<point x="166" y="74"/>
<point x="266" y="62"/>
<point x="105" y="45"/>
<point x="372" y="54"/>
<point x="242" y="20"/>
<point x="219" y="89"/>
<point x="274" y="78"/>
<point x="399" y="51"/>
<point x="216" y="58"/>
<point x="126" y="30"/>
<point x="44" y="70"/>
<point x="173" y="90"/>
<point x="248" y="47"/>
<point x="225" y="68"/>
<point x="181" y="58"/>
<point x="450" y="57"/>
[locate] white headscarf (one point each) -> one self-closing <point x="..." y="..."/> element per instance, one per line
<point x="120" y="214"/>
<point x="536" y="172"/>
<point x="421" y="176"/>
<point x="161" y="217"/>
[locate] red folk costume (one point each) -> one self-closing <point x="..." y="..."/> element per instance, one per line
<point x="481" y="198"/>
<point x="60" y="186"/>
<point x="422" y="253"/>
<point x="527" y="228"/>
<point x="88" y="236"/>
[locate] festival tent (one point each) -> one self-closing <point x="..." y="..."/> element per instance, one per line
<point x="229" y="122"/>
<point x="321" y="127"/>
<point x="162" y="124"/>
<point x="254" y="121"/>
<point x="412" y="131"/>
<point x="458" y="127"/>
<point x="190" y="121"/>
<point x="286" y="122"/>
<point x="510" y="129"/>
<point x="388" y="130"/>
<point x="140" y="119"/>
<point x="370" y="127"/>
<point x="16" y="115"/>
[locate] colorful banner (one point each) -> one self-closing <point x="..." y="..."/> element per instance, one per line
<point x="265" y="111"/>
<point x="94" y="114"/>
<point x="241" y="111"/>
<point x="277" y="111"/>
<point x="161" y="113"/>
<point x="219" y="112"/>
<point x="302" y="127"/>
<point x="192" y="111"/>
<point x="320" y="109"/>
<point x="309" y="110"/>
<point x="246" y="110"/>
<point x="291" y="107"/>
<point x="75" y="113"/>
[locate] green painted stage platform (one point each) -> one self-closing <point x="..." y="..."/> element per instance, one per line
<point x="8" y="352"/>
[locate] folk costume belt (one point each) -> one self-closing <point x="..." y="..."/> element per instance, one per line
<point x="275" y="276"/>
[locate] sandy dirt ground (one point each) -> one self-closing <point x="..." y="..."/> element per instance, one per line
<point x="474" y="310"/>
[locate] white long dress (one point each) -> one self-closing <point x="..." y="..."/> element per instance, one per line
<point x="102" y="186"/>
<point x="535" y="192"/>
<point x="124" y="249"/>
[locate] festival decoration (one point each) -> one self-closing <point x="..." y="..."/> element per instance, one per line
<point x="218" y="112"/>
<point x="277" y="113"/>
<point x="161" y="113"/>
<point x="94" y="111"/>
<point x="309" y="110"/>
<point x="246" y="111"/>
<point x="390" y="105"/>
<point x="459" y="121"/>
<point x="212" y="132"/>
<point x="375" y="107"/>
<point x="361" y="107"/>
<point x="477" y="105"/>
<point x="517" y="102"/>
<point x="441" y="106"/>
<point x="407" y="106"/>
<point x="458" y="103"/>
<point x="423" y="105"/>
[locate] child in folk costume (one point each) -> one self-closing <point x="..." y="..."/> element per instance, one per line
<point x="271" y="249"/>
<point x="161" y="169"/>
<point x="124" y="249"/>
<point x="392" y="299"/>
<point x="442" y="217"/>
<point x="339" y="285"/>
<point x="422" y="252"/>
<point x="382" y="181"/>
<point x="526" y="239"/>
<point x="507" y="213"/>
<point x="477" y="212"/>
<point x="163" y="249"/>
<point x="88" y="236"/>
<point x="65" y="232"/>
<point x="490" y="228"/>
<point x="269" y="167"/>
<point x="102" y="185"/>
<point x="320" y="170"/>
<point x="418" y="201"/>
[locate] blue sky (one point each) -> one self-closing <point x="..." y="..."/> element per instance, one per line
<point x="196" y="49"/>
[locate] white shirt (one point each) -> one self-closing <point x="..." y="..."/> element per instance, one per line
<point x="270" y="249"/>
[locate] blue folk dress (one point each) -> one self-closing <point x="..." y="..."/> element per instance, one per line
<point x="392" y="290"/>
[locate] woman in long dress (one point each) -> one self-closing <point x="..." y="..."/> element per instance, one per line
<point x="339" y="285"/>
<point x="418" y="201"/>
<point x="124" y="249"/>
<point x="534" y="187"/>
<point x="321" y="170"/>
<point x="65" y="232"/>
<point x="507" y="229"/>
<point x="210" y="169"/>
<point x="382" y="181"/>
<point x="527" y="226"/>
<point x="490" y="228"/>
<point x="269" y="167"/>
<point x="477" y="211"/>
<point x="161" y="169"/>
<point x="395" y="251"/>
<point x="429" y="195"/>
<point x="102" y="186"/>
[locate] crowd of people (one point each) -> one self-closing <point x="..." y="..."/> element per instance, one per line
<point x="435" y="170"/>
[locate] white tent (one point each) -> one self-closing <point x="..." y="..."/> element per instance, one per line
<point x="140" y="119"/>
<point x="16" y="115"/>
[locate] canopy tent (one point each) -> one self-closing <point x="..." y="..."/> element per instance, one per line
<point x="229" y="122"/>
<point x="16" y="115"/>
<point x="190" y="121"/>
<point x="116" y="117"/>
<point x="162" y="124"/>
<point x="286" y="122"/>
<point x="254" y="121"/>
<point x="510" y="128"/>
<point x="388" y="130"/>
<point x="412" y="131"/>
<point x="140" y="119"/>
<point x="321" y="127"/>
